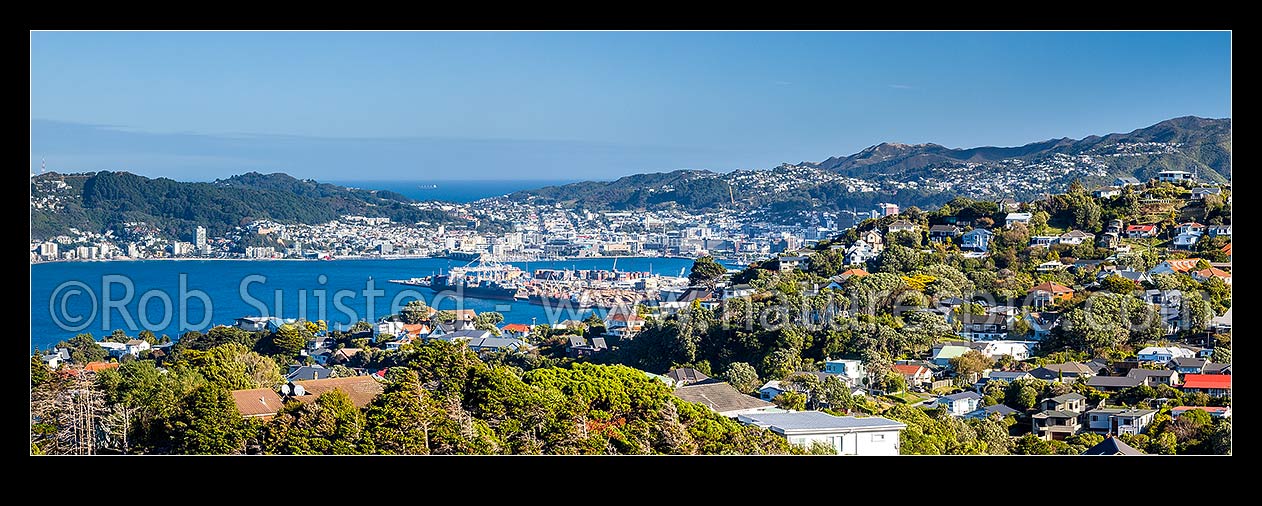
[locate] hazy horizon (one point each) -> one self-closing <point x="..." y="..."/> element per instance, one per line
<point x="587" y="105"/>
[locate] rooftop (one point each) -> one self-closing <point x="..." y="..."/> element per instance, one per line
<point x="816" y="421"/>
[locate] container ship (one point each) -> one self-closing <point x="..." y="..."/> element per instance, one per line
<point x="494" y="281"/>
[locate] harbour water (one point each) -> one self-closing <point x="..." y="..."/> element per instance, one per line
<point x="71" y="297"/>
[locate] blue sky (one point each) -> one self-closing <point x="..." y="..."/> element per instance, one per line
<point x="587" y="105"/>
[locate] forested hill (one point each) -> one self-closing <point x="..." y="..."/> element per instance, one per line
<point x="101" y="200"/>
<point x="921" y="174"/>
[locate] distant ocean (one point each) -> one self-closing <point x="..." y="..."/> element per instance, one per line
<point x="454" y="191"/>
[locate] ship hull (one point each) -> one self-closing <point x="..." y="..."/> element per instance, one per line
<point x="477" y="293"/>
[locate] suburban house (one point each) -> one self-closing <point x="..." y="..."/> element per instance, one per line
<point x="579" y="346"/>
<point x="262" y="403"/>
<point x="1055" y="424"/>
<point x="52" y="360"/>
<point x="737" y="291"/>
<point x="1049" y="293"/>
<point x="1175" y="176"/>
<point x="391" y="327"/>
<point x="722" y="398"/>
<point x="1018" y="350"/>
<point x="1153" y="377"/>
<point x="902" y="226"/>
<point x="1106" y="192"/>
<point x="1214" y="411"/>
<point x="1219" y="230"/>
<point x="1068" y="372"/>
<point x="790" y="263"/>
<point x="361" y="389"/>
<point x="1212" y="272"/>
<point x="770" y="390"/>
<point x="1045" y="241"/>
<point x="515" y="331"/>
<point x="861" y="251"/>
<point x="1113" y="383"/>
<point x="849" y="369"/>
<point x="1075" y="237"/>
<point x="1188" y="365"/>
<point x="462" y="335"/>
<point x="623" y="325"/>
<point x="1008" y="376"/>
<point x="1127" y="181"/>
<point x="1141" y="231"/>
<point x="1017" y="218"/>
<point x="916" y="375"/>
<point x="1002" y="410"/>
<point x="1060" y="416"/>
<point x="1173" y="266"/>
<point x="257" y="323"/>
<point x="942" y="356"/>
<point x="492" y="344"/>
<point x="1215" y="385"/>
<point x="307" y="372"/>
<point x="940" y="233"/>
<point x="960" y="404"/>
<point x="989" y="326"/>
<point x="1201" y="192"/>
<point x="977" y="239"/>
<point x="847" y="435"/>
<point x="1163" y="354"/>
<point x="681" y="376"/>
<point x="1186" y="241"/>
<point x="1119" y="420"/>
<point x="1112" y="446"/>
<point x="135" y="346"/>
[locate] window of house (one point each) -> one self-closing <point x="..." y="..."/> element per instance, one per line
<point x="878" y="437"/>
<point x="1095" y="418"/>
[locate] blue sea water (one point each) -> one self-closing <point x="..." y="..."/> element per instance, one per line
<point x="71" y="297"/>
<point x="453" y="191"/>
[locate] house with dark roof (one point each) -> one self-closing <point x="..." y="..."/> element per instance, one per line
<point x="846" y="435"/>
<point x="1119" y="420"/>
<point x="1001" y="410"/>
<point x="579" y="346"/>
<point x="1113" y="383"/>
<point x="1068" y="372"/>
<point x="1214" y="411"/>
<point x="1154" y="377"/>
<point x="1055" y="424"/>
<point x="941" y="233"/>
<point x="1112" y="446"/>
<point x="722" y="398"/>
<point x="686" y="376"/>
<point x="307" y="372"/>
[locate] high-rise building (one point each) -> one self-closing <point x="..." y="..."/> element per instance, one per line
<point x="199" y="238"/>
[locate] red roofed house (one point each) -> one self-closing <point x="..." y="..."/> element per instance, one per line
<point x="1227" y="249"/>
<point x="99" y="366"/>
<point x="854" y="272"/>
<point x="1212" y="272"/>
<point x="915" y="375"/>
<point x="623" y="326"/>
<point x="1049" y="293"/>
<point x="465" y="314"/>
<point x="516" y="330"/>
<point x="1215" y="385"/>
<point x="1172" y="266"/>
<point x="415" y="330"/>
<point x="1139" y="231"/>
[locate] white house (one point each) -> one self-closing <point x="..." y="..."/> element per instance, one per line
<point x="977" y="239"/>
<point x="851" y="370"/>
<point x="135" y="346"/>
<point x="390" y="327"/>
<point x="902" y="226"/>
<point x="1119" y="420"/>
<point x="253" y="323"/>
<point x="114" y="349"/>
<point x="1186" y="241"/>
<point x="1018" y="350"/>
<point x="1175" y="176"/>
<point x="1017" y="218"/>
<point x="737" y="291"/>
<point x="1163" y="354"/>
<point x="960" y="404"/>
<point x="1075" y="237"/>
<point x="847" y="435"/>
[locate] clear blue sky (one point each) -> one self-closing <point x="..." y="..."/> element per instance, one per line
<point x="595" y="105"/>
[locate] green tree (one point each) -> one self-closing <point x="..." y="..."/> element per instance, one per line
<point x="1118" y="284"/>
<point x="971" y="362"/>
<point x="415" y="312"/>
<point x="289" y="339"/>
<point x="84" y="349"/>
<point x="706" y="271"/>
<point x="331" y="425"/>
<point x="793" y="401"/>
<point x="40" y="373"/>
<point x="232" y="366"/>
<point x="742" y="376"/>
<point x="208" y="424"/>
